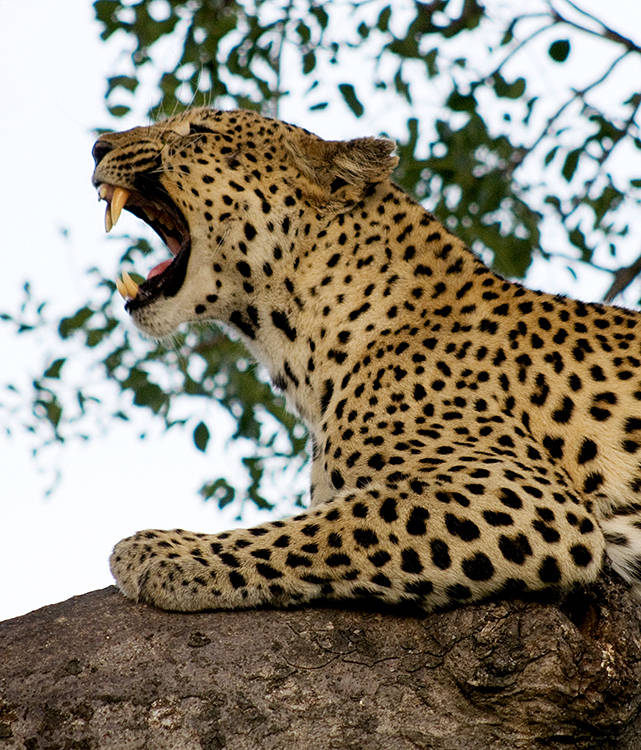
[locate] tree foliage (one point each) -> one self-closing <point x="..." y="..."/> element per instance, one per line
<point x="517" y="124"/>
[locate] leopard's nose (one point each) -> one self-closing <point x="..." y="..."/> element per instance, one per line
<point x="100" y="150"/>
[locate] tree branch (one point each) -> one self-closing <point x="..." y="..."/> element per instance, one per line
<point x="100" y="671"/>
<point x="623" y="277"/>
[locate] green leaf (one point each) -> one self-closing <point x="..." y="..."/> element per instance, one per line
<point x="321" y="16"/>
<point x="53" y="371"/>
<point x="430" y="60"/>
<point x="401" y="86"/>
<point x="559" y="50"/>
<point x="201" y="436"/>
<point x="105" y="11"/>
<point x="458" y="102"/>
<point x="302" y="29"/>
<point x="119" y="110"/>
<point x="363" y="30"/>
<point x="220" y="491"/>
<point x="550" y="155"/>
<point x="553" y="200"/>
<point x="145" y="393"/>
<point x="150" y="395"/>
<point x="52" y="409"/>
<point x="512" y="256"/>
<point x="577" y="238"/>
<point x="609" y="200"/>
<point x="383" y="18"/>
<point x="406" y="47"/>
<point x="54" y="412"/>
<point x="129" y="83"/>
<point x="570" y="164"/>
<point x="95" y="336"/>
<point x="349" y="95"/>
<point x="509" y="34"/>
<point x="309" y="62"/>
<point x="506" y="90"/>
<point x="69" y="325"/>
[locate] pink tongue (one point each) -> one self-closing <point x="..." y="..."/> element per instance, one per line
<point x="156" y="270"/>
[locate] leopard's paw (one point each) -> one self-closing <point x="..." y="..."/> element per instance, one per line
<point x="129" y="563"/>
<point x="147" y="567"/>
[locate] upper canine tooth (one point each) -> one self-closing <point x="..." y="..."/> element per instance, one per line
<point x="108" y="221"/>
<point x="118" y="201"/>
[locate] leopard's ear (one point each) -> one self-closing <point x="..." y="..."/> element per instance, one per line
<point x="343" y="168"/>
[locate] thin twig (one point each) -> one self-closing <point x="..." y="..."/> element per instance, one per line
<point x="577" y="94"/>
<point x="519" y="46"/>
<point x="605" y="155"/>
<point x="606" y="31"/>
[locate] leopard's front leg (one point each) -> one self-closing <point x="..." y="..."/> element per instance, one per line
<point x="352" y="546"/>
<point x="431" y="548"/>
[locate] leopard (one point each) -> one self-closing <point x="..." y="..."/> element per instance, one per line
<point x="471" y="438"/>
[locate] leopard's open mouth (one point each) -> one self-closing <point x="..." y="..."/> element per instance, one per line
<point x="152" y="204"/>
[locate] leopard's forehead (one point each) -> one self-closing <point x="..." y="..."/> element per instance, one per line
<point x="234" y="121"/>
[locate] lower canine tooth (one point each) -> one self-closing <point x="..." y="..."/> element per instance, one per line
<point x="130" y="285"/>
<point x="122" y="289"/>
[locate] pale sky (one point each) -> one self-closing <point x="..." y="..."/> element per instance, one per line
<point x="52" y="81"/>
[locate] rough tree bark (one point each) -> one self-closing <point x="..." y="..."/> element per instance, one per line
<point x="100" y="672"/>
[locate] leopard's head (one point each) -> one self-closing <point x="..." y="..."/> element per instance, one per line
<point x="229" y="194"/>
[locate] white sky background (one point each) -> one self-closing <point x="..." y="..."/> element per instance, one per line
<point x="52" y="79"/>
